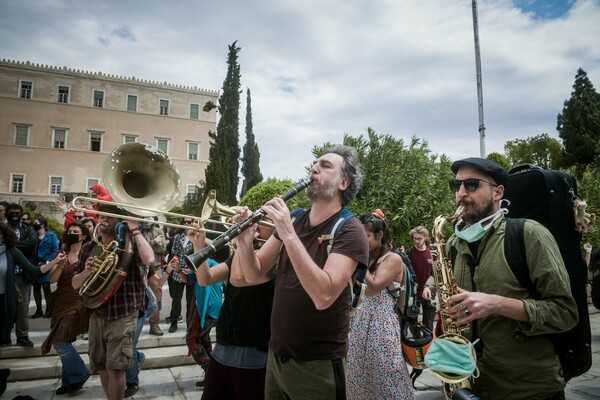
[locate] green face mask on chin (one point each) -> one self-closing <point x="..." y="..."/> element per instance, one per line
<point x="476" y="231"/>
<point x="448" y="356"/>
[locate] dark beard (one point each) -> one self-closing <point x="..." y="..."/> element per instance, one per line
<point x="473" y="216"/>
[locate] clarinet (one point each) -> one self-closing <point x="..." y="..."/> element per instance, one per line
<point x="199" y="257"/>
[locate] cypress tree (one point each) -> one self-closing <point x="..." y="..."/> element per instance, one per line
<point x="579" y="123"/>
<point x="251" y="157"/>
<point x="222" y="172"/>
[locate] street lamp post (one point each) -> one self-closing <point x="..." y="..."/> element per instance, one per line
<point x="479" y="84"/>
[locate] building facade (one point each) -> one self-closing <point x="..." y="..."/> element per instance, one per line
<point x="58" y="125"/>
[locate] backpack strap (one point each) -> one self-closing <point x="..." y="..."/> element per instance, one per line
<point x="336" y="227"/>
<point x="514" y="251"/>
<point x="296" y="214"/>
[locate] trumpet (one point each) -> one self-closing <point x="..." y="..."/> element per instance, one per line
<point x="199" y="257"/>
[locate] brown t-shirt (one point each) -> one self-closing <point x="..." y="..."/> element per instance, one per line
<point x="298" y="329"/>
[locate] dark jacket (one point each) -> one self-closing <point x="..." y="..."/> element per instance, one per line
<point x="27" y="241"/>
<point x="13" y="257"/>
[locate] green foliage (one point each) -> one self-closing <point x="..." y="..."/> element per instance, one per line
<point x="579" y="124"/>
<point x="541" y="150"/>
<point x="251" y="157"/>
<point x="406" y="181"/>
<point x="266" y="190"/>
<point x="589" y="190"/>
<point x="222" y="172"/>
<point x="499" y="159"/>
<point x="209" y="106"/>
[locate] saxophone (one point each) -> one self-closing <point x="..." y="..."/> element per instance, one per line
<point x="446" y="287"/>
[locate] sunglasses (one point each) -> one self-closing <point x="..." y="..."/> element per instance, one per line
<point x="471" y="184"/>
<point x="187" y="222"/>
<point x="77" y="217"/>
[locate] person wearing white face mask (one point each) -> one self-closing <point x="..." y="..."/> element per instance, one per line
<point x="516" y="358"/>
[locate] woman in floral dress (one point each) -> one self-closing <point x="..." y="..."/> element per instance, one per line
<point x="376" y="367"/>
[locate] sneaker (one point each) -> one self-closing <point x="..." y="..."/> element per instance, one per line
<point x="76" y="387"/>
<point x="173" y="327"/>
<point x="24" y="342"/>
<point x="62" y="390"/>
<point x="155" y="330"/>
<point x="84" y="336"/>
<point x="37" y="314"/>
<point x="200" y="384"/>
<point x="131" y="389"/>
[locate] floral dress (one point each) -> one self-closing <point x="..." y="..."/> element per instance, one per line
<point x="376" y="367"/>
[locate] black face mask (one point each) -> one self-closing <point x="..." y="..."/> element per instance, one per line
<point x="72" y="238"/>
<point x="37" y="227"/>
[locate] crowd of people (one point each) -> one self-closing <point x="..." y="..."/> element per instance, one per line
<point x="281" y="305"/>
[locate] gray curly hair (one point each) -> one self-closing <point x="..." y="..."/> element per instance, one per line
<point x="350" y="169"/>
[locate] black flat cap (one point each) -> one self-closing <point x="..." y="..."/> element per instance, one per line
<point x="499" y="174"/>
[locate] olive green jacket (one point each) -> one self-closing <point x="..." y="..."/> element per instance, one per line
<point x="518" y="360"/>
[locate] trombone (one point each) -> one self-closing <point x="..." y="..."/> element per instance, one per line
<point x="134" y="218"/>
<point x="136" y="173"/>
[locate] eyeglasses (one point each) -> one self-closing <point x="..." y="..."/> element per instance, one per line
<point x="187" y="222"/>
<point x="471" y="184"/>
<point x="25" y="219"/>
<point x="77" y="216"/>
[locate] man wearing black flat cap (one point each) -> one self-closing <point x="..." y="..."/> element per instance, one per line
<point x="112" y="325"/>
<point x="516" y="357"/>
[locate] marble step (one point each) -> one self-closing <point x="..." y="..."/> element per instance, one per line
<point x="169" y="350"/>
<point x="47" y="367"/>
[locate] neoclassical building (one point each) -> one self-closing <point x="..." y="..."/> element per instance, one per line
<point x="58" y="125"/>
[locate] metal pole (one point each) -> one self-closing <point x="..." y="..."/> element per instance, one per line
<point x="479" y="84"/>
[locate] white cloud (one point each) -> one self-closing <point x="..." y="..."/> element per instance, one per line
<point x="319" y="69"/>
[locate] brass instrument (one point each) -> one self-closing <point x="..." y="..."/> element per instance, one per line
<point x="133" y="172"/>
<point x="109" y="272"/>
<point x="199" y="257"/>
<point x="212" y="208"/>
<point x="445" y="284"/>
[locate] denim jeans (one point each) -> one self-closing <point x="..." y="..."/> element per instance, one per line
<point x="73" y="367"/>
<point x="133" y="370"/>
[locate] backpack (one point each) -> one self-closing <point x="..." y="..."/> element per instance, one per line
<point x="405" y="293"/>
<point x="549" y="197"/>
<point x="357" y="290"/>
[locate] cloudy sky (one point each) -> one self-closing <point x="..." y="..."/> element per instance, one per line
<point x="320" y="68"/>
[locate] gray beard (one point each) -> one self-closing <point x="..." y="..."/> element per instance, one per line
<point x="323" y="192"/>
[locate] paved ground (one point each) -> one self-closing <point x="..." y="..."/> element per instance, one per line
<point x="179" y="382"/>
